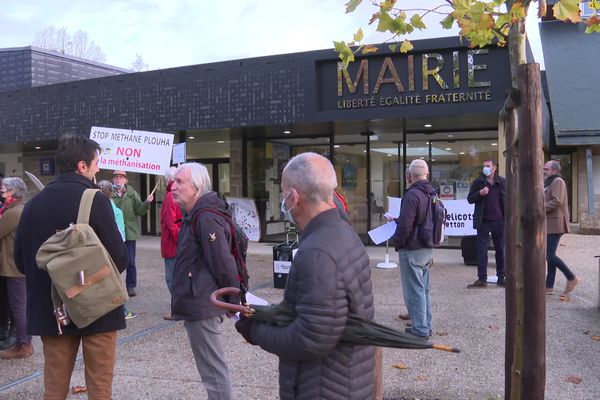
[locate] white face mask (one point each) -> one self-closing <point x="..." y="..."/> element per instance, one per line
<point x="487" y="171"/>
<point x="287" y="212"/>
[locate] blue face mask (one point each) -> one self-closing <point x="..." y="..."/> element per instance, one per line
<point x="287" y="212"/>
<point x="487" y="171"/>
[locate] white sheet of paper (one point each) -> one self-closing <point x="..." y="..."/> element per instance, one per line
<point x="394" y="206"/>
<point x="383" y="233"/>
<point x="252" y="300"/>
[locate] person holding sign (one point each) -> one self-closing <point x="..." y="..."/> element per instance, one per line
<point x="128" y="200"/>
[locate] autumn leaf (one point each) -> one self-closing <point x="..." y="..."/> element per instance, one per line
<point x="369" y="49"/>
<point x="406" y="46"/>
<point x="387" y="5"/>
<point x="567" y="10"/>
<point x="417" y="22"/>
<point x="393" y="47"/>
<point x="574" y="379"/>
<point x="78" y="389"/>
<point x="400" y="366"/>
<point x="447" y="22"/>
<point x="486" y="22"/>
<point x="358" y="36"/>
<point x="518" y="12"/>
<point x="351" y="5"/>
<point x="596" y="338"/>
<point x="345" y="53"/>
<point x="594" y="4"/>
<point x="593" y="24"/>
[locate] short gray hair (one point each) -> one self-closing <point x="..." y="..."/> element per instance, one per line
<point x="106" y="186"/>
<point x="198" y="175"/>
<point x="418" y="169"/>
<point x="312" y="175"/>
<point x="17" y="185"/>
<point x="555" y="165"/>
<point x="170" y="174"/>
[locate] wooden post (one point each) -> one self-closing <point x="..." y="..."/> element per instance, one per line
<point x="510" y="253"/>
<point x="378" y="373"/>
<point x="532" y="218"/>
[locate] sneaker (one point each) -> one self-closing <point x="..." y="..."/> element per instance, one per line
<point x="477" y="284"/>
<point x="130" y="314"/>
<point x="131" y="292"/>
<point x="8" y="343"/>
<point x="501" y="281"/>
<point x="409" y="330"/>
<point x="549" y="291"/>
<point x="17" y="351"/>
<point x="404" y="317"/>
<point x="571" y="284"/>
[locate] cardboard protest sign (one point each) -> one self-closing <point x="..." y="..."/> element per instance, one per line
<point x="135" y="151"/>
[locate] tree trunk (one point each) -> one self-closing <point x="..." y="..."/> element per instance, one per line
<point x="532" y="217"/>
<point x="510" y="254"/>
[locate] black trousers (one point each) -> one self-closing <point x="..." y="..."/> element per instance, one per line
<point x="496" y="228"/>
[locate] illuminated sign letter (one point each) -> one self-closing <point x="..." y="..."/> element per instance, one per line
<point x="472" y="67"/>
<point x="434" y="72"/>
<point x="388" y="64"/>
<point x="363" y="72"/>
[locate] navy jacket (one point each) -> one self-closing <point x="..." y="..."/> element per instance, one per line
<point x="412" y="213"/>
<point x="54" y="208"/>
<point x="475" y="198"/>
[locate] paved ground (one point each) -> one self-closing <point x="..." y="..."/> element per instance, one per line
<point x="154" y="360"/>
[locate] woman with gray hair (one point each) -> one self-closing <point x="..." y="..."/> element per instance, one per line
<point x="13" y="191"/>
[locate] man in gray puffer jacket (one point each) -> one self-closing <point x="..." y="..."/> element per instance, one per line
<point x="329" y="279"/>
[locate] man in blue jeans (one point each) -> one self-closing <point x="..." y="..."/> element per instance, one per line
<point x="487" y="193"/>
<point x="415" y="258"/>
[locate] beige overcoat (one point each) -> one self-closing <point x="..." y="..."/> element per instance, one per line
<point x="557" y="207"/>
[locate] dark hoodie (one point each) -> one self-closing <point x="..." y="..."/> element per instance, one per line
<point x="412" y="213"/>
<point x="203" y="263"/>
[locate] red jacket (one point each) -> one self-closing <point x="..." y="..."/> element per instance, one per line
<point x="169" y="228"/>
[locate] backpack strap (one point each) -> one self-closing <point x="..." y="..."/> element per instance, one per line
<point x="85" y="206"/>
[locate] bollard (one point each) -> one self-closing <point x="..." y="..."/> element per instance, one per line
<point x="598" y="257"/>
<point x="378" y="373"/>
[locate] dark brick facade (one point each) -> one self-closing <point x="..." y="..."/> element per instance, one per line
<point x="26" y="67"/>
<point x="265" y="91"/>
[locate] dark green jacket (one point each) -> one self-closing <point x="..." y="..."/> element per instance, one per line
<point x="132" y="207"/>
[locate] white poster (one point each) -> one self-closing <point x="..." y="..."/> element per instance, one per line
<point x="246" y="216"/>
<point x="135" y="151"/>
<point x="459" y="221"/>
<point x="179" y="153"/>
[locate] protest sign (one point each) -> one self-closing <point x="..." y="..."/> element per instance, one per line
<point x="134" y="151"/>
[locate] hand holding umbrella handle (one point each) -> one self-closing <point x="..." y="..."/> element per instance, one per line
<point x="215" y="299"/>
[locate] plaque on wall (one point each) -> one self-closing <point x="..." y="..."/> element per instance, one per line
<point x="47" y="166"/>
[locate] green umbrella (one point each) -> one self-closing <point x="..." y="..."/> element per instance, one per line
<point x="358" y="331"/>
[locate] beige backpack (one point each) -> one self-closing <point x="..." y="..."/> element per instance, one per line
<point x="86" y="283"/>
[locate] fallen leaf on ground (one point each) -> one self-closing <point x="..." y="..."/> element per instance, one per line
<point x="574" y="379"/>
<point x="564" y="298"/>
<point x="442" y="333"/>
<point x="78" y="389"/>
<point x="400" y="366"/>
<point x="421" y="378"/>
<point x="596" y="338"/>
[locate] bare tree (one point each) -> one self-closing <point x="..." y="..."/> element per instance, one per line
<point x="78" y="44"/>
<point x="139" y="65"/>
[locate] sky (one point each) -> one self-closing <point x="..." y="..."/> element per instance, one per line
<point x="172" y="33"/>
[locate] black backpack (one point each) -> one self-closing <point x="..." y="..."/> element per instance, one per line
<point x="239" y="248"/>
<point x="431" y="232"/>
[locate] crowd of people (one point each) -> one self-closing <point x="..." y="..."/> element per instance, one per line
<point x="326" y="284"/>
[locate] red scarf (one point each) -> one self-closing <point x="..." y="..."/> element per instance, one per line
<point x="7" y="204"/>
